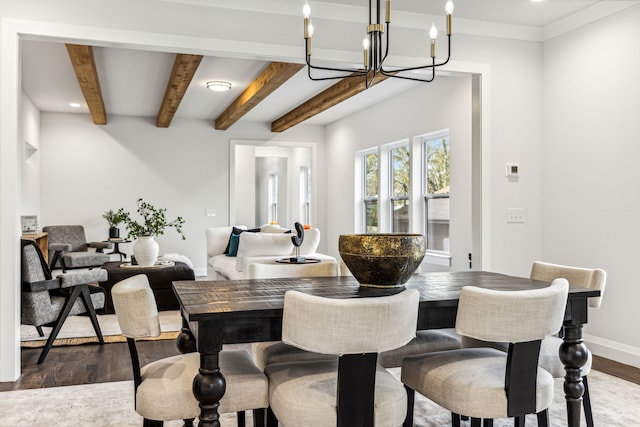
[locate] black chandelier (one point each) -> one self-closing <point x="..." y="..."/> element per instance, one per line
<point x="375" y="51"/>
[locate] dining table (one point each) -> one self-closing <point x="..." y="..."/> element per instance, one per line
<point x="219" y="312"/>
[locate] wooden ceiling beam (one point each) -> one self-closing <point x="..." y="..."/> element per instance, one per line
<point x="85" y="68"/>
<point x="184" y="68"/>
<point x="271" y="78"/>
<point x="341" y="91"/>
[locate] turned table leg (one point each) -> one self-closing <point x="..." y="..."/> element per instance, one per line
<point x="573" y="354"/>
<point x="209" y="384"/>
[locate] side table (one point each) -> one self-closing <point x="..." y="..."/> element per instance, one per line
<point x="160" y="280"/>
<point x="116" y="248"/>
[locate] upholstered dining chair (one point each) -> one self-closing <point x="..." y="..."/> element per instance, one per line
<point x="163" y="389"/>
<point x="49" y="301"/>
<point x="486" y="383"/>
<point x="353" y="390"/>
<point x="593" y="278"/>
<point x="68" y="248"/>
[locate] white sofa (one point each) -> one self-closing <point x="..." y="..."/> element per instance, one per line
<point x="257" y="253"/>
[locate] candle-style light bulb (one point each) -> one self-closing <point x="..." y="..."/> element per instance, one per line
<point x="433" y="35"/>
<point x="448" y="8"/>
<point x="433" y="32"/>
<point x="365" y="47"/>
<point x="310" y="29"/>
<point x="306" y="13"/>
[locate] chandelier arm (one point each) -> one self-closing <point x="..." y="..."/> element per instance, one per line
<point x="423" y="67"/>
<point x="386" y="48"/>
<point x="415" y="79"/>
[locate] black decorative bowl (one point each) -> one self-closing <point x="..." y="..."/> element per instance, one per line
<point x="382" y="260"/>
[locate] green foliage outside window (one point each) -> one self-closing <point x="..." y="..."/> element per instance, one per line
<point x="438" y="165"/>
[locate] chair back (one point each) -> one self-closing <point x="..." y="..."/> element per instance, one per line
<point x="71" y="234"/>
<point x="593" y="278"/>
<point x="34" y="267"/>
<point x="135" y="307"/>
<point x="512" y="316"/>
<point x="352" y="325"/>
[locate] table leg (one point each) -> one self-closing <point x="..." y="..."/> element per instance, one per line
<point x="209" y="384"/>
<point x="185" y="341"/>
<point x="573" y="354"/>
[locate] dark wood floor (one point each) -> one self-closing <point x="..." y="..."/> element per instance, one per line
<point x="93" y="363"/>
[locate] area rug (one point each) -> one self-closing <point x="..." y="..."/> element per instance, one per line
<point x="78" y="330"/>
<point x="111" y="404"/>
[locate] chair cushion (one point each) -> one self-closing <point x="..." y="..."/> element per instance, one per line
<point x="469" y="381"/>
<point x="166" y="389"/>
<point x="84" y="259"/>
<point x="304" y="394"/>
<point x="425" y="342"/>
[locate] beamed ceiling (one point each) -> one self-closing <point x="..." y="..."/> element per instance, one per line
<point x="115" y="81"/>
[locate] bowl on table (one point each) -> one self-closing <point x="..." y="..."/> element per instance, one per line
<point x="382" y="260"/>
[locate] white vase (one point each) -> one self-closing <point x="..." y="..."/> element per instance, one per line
<point x="146" y="250"/>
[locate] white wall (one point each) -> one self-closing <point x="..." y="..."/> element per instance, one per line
<point x="30" y="167"/>
<point x="421" y="109"/>
<point x="88" y="169"/>
<point x="591" y="147"/>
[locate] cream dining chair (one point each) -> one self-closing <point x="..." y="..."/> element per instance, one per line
<point x="486" y="383"/>
<point x="593" y="278"/>
<point x="306" y="393"/>
<point x="163" y="389"/>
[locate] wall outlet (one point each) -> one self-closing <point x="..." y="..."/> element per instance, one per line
<point x="515" y="215"/>
<point x="210" y="213"/>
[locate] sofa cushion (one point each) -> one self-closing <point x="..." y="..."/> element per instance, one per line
<point x="261" y="244"/>
<point x="273" y="228"/>
<point x="310" y="243"/>
<point x="217" y="239"/>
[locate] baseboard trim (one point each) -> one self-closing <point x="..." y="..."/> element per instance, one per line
<point x="622" y="353"/>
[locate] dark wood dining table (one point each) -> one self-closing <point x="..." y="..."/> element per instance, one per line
<point x="244" y="311"/>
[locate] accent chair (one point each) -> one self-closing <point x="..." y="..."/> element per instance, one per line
<point x="68" y="248"/>
<point x="49" y="301"/>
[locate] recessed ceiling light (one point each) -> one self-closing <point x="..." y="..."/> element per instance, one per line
<point x="218" y="85"/>
<point x="74" y="105"/>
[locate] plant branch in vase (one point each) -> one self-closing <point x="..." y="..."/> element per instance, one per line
<point x="153" y="223"/>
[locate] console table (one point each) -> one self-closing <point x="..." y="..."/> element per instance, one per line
<point x="42" y="240"/>
<point x="243" y="311"/>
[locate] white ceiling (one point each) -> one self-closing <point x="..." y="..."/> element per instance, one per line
<point x="133" y="81"/>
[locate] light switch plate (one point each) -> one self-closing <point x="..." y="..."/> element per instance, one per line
<point x="515" y="215"/>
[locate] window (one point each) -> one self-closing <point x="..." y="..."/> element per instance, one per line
<point x="437" y="179"/>
<point x="400" y="158"/>
<point x="273" y="199"/>
<point x="305" y="194"/>
<point x="371" y="172"/>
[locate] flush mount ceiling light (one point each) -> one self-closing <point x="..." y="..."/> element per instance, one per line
<point x="218" y="86"/>
<point x="375" y="51"/>
<point x="74" y="105"/>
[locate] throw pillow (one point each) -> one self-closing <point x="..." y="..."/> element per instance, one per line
<point x="234" y="240"/>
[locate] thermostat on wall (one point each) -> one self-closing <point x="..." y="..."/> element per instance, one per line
<point x="512" y="170"/>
